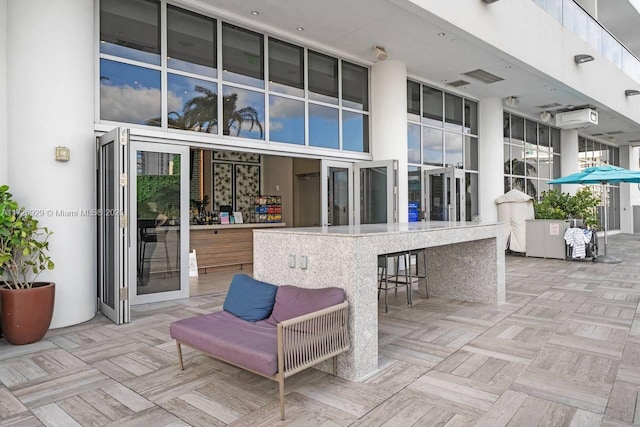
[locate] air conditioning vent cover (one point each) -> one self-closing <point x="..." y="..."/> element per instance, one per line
<point x="576" y="119"/>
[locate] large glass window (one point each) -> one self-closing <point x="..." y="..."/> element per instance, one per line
<point x="242" y="56"/>
<point x="286" y="68"/>
<point x="129" y="93"/>
<point x="413" y="143"/>
<point x="413" y="100"/>
<point x="432" y="146"/>
<point x="453" y="150"/>
<point x="453" y="112"/>
<point x="216" y="80"/>
<point x="191" y="42"/>
<point x="323" y="78"/>
<point x="432" y="106"/>
<point x="130" y="29"/>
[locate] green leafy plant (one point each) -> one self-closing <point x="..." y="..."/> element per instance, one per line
<point x="23" y="244"/>
<point x="557" y="205"/>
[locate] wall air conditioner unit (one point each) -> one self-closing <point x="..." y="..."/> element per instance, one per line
<point x="577" y="119"/>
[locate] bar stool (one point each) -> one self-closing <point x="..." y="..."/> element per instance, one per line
<point x="385" y="277"/>
<point x="420" y="253"/>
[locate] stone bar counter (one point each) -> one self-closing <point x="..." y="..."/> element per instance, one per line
<point x="465" y="260"/>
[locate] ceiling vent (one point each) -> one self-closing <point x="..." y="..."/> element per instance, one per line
<point x="549" y="106"/>
<point x="483" y="76"/>
<point x="615" y="132"/>
<point x="634" y="140"/>
<point x="458" y="83"/>
<point x="577" y="119"/>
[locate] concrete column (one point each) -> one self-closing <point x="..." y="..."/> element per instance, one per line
<point x="629" y="194"/>
<point x="4" y="153"/>
<point x="51" y="84"/>
<point x="569" y="158"/>
<point x="490" y="156"/>
<point x="389" y="123"/>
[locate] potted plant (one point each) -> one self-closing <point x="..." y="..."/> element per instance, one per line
<point x="26" y="306"/>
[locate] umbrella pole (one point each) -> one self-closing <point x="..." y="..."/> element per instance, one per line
<point x="605" y="258"/>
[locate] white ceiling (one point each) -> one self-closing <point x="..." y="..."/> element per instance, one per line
<point x="352" y="28"/>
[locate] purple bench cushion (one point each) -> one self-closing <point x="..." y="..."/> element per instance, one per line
<point x="223" y="335"/>
<point x="292" y="301"/>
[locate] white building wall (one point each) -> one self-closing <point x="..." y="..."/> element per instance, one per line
<point x="628" y="192"/>
<point x="389" y="123"/>
<point x="50" y="63"/>
<point x="4" y="166"/>
<point x="490" y="157"/>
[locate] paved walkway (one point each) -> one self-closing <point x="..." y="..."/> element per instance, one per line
<point x="564" y="350"/>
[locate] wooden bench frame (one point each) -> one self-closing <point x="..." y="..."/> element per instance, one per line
<point x="303" y="342"/>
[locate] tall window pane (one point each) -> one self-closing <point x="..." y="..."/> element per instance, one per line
<point x="415" y="191"/>
<point x="470" y="117"/>
<point x="471" y="153"/>
<point x="286" y="68"/>
<point x="453" y="150"/>
<point x="243" y="113"/>
<point x="432" y="106"/>
<point x="286" y="120"/>
<point x="192" y="104"/>
<point x="191" y="42"/>
<point x="355" y="86"/>
<point x="129" y="94"/>
<point x="413" y="100"/>
<point x="131" y="29"/>
<point x="323" y="78"/>
<point x="242" y="56"/>
<point x="413" y="143"/>
<point x="531" y="132"/>
<point x="452" y="111"/>
<point x="432" y="146"/>
<point x="355" y="132"/>
<point x="517" y="130"/>
<point x="323" y="126"/>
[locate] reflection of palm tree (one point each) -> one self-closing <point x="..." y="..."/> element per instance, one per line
<point x="233" y="117"/>
<point x="200" y="113"/>
<point x="522" y="168"/>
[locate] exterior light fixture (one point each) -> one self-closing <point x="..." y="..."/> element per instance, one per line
<point x="545" y="116"/>
<point x="381" y="53"/>
<point x="511" y="101"/>
<point x="582" y="58"/>
<point x="631" y="92"/>
<point x="255" y="13"/>
<point x="489" y="1"/>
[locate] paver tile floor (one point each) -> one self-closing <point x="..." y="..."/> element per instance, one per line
<point x="563" y="350"/>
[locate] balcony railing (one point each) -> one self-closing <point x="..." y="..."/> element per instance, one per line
<point x="578" y="21"/>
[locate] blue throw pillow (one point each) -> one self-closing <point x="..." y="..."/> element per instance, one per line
<point x="250" y="299"/>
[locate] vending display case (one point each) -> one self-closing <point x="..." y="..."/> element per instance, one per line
<point x="266" y="209"/>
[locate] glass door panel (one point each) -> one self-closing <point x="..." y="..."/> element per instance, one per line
<point x="445" y="198"/>
<point x="113" y="243"/>
<point x="336" y="193"/>
<point x="375" y="184"/>
<point x="161" y="232"/>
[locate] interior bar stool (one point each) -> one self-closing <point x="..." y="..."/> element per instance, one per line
<point x="385" y="277"/>
<point x="420" y="253"/>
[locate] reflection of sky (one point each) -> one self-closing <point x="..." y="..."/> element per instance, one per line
<point x="246" y="99"/>
<point x="413" y="140"/>
<point x="182" y="89"/>
<point x="453" y="149"/>
<point x="353" y="131"/>
<point x="323" y="126"/>
<point x="190" y="67"/>
<point x="128" y="93"/>
<point x="432" y="146"/>
<point x="286" y="122"/>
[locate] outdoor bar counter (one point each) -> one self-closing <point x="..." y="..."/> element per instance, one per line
<point x="222" y="245"/>
<point x="465" y="260"/>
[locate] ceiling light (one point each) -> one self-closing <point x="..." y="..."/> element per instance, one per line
<point x="582" y="58"/>
<point x="631" y="92"/>
<point x="489" y="1"/>
<point x="511" y="101"/>
<point x="381" y="53"/>
<point x="255" y="13"/>
<point x="300" y="29"/>
<point x="441" y="34"/>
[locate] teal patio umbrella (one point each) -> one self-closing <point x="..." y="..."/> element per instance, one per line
<point x="606" y="174"/>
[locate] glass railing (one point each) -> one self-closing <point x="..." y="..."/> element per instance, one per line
<point x="576" y="20"/>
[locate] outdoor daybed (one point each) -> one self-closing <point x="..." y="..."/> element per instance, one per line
<point x="273" y="331"/>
